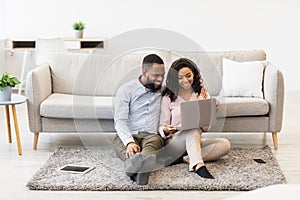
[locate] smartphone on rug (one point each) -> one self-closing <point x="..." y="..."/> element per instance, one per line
<point x="258" y="160"/>
<point x="76" y="169"/>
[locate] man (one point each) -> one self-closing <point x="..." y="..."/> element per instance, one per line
<point x="136" y="117"/>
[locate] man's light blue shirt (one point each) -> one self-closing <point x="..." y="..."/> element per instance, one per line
<point x="137" y="109"/>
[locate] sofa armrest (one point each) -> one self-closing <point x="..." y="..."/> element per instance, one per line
<point x="274" y="94"/>
<point x="38" y="88"/>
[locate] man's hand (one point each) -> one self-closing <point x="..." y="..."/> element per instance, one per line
<point x="131" y="149"/>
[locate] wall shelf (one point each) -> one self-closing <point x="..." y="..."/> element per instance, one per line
<point x="23" y="44"/>
<point x="72" y="44"/>
<point x="84" y="43"/>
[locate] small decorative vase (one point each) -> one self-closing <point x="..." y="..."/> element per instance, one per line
<point x="79" y="34"/>
<point x="5" y="95"/>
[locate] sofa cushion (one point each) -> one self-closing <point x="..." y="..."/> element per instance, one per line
<point x="76" y="73"/>
<point x="96" y="74"/>
<point x="100" y="107"/>
<point x="243" y="79"/>
<point x="242" y="106"/>
<point x="210" y="64"/>
<point x="76" y="106"/>
<point x="102" y="74"/>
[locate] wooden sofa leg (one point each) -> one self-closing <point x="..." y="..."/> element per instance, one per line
<point x="35" y="141"/>
<point x="275" y="140"/>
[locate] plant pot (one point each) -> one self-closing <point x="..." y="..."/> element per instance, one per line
<point x="79" y="33"/>
<point x="5" y="95"/>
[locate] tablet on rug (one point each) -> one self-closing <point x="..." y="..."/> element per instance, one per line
<point x="76" y="169"/>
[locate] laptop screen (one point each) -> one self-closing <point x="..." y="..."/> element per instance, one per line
<point x="196" y="114"/>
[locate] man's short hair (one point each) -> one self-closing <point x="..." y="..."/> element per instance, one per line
<point x="150" y="59"/>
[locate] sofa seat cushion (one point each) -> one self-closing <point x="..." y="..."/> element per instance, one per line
<point x="242" y="106"/>
<point x="101" y="107"/>
<point x="77" y="107"/>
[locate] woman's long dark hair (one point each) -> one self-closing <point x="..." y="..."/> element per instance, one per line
<point x="172" y="85"/>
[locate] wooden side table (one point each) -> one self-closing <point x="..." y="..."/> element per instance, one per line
<point x="15" y="99"/>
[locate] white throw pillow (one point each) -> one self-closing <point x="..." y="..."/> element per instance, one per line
<point x="242" y="79"/>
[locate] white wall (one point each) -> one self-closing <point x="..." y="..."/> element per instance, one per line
<point x="271" y="25"/>
<point x="1" y="40"/>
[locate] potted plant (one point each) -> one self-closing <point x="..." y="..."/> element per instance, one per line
<point x="79" y="27"/>
<point x="7" y="82"/>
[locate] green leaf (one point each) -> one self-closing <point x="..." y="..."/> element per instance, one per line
<point x="6" y="80"/>
<point x="79" y="25"/>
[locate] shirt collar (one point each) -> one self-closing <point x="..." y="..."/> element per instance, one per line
<point x="142" y="86"/>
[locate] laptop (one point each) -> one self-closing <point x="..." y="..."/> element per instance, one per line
<point x="196" y="114"/>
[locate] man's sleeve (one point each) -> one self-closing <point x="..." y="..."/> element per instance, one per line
<point x="121" y="111"/>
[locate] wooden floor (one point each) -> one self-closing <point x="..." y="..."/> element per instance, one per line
<point x="15" y="170"/>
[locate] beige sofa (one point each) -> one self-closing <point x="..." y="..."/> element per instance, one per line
<point x="75" y="92"/>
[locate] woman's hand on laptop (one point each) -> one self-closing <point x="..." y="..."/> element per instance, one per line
<point x="203" y="95"/>
<point x="205" y="128"/>
<point x="217" y="104"/>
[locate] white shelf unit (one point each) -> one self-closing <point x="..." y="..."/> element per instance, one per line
<point x="27" y="46"/>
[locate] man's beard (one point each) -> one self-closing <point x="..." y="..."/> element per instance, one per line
<point x="150" y="85"/>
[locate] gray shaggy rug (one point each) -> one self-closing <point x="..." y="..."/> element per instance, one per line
<point x="235" y="171"/>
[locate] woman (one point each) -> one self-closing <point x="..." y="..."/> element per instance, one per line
<point x="184" y="83"/>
